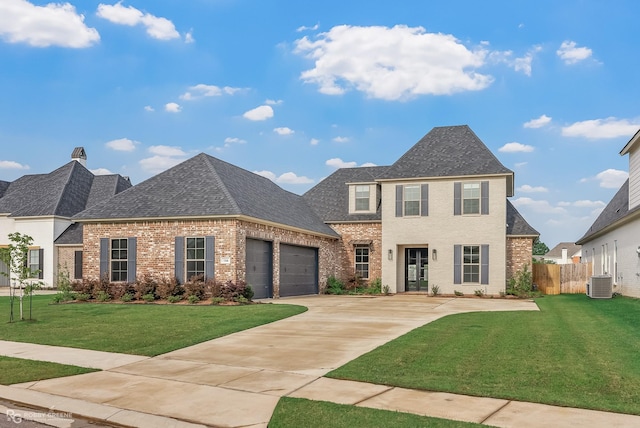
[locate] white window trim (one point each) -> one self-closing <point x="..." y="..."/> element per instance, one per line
<point x="187" y="259"/>
<point x="479" y="264"/>
<point x="372" y="198"/>
<point x="479" y="198"/>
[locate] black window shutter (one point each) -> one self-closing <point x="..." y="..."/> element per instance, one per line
<point x="484" y="264"/>
<point x="77" y="265"/>
<point x="484" y="198"/>
<point x="457" y="264"/>
<point x="424" y="200"/>
<point x="132" y="249"/>
<point x="399" y="189"/>
<point x="41" y="263"/>
<point x="104" y="257"/>
<point x="179" y="259"/>
<point x="457" y="198"/>
<point x="209" y="257"/>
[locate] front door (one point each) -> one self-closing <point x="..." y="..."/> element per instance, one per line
<point x="416" y="269"/>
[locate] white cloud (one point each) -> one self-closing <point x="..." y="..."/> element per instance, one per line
<point x="12" y="165"/>
<point x="55" y="24"/>
<point x="234" y="140"/>
<point x="156" y="27"/>
<point x="368" y="164"/>
<point x="101" y="171"/>
<point x="538" y="206"/>
<point x="521" y="164"/>
<point x="532" y="189"/>
<point x="314" y="141"/>
<point x="122" y="145"/>
<point x="201" y="90"/>
<point x="149" y="108"/>
<point x="172" y="107"/>
<point x="612" y="178"/>
<point x="602" y="128"/>
<point x="188" y="37"/>
<point x="341" y="139"/>
<point x="585" y="203"/>
<point x="170" y="151"/>
<point x="522" y="64"/>
<point x="391" y="63"/>
<point x="273" y="102"/>
<point x="157" y="164"/>
<point x="283" y="131"/>
<point x="339" y="163"/>
<point x="571" y="54"/>
<point x="259" y="113"/>
<point x="305" y="28"/>
<point x="516" y="148"/>
<point x="286" y="178"/>
<point x="538" y="123"/>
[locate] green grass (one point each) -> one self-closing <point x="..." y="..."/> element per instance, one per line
<point x="139" y="329"/>
<point x="16" y="370"/>
<point x="576" y="352"/>
<point x="298" y="412"/>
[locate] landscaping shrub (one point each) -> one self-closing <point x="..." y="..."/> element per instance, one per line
<point x="149" y="297"/>
<point x="193" y="299"/>
<point x="65" y="289"/>
<point x="100" y="287"/>
<point x="118" y="289"/>
<point x="144" y="285"/>
<point x="82" y="286"/>
<point x="195" y="287"/>
<point x="231" y="291"/>
<point x="126" y="297"/>
<point x="375" y="286"/>
<point x="169" y="288"/>
<point x="174" y="299"/>
<point x="334" y="286"/>
<point x="435" y="290"/>
<point x="521" y="284"/>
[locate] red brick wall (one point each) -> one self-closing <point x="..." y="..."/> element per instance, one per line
<point x="519" y="253"/>
<point x="66" y="260"/>
<point x="353" y="232"/>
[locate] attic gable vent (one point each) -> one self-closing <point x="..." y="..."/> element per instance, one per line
<point x="79" y="155"/>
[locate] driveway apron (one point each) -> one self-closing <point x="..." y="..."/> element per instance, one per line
<point x="238" y="379"/>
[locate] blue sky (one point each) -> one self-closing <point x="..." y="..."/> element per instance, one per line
<point x="293" y="90"/>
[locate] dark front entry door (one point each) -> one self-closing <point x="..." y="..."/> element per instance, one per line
<point x="416" y="269"/>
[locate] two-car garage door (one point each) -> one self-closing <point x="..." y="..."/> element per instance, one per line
<point x="298" y="269"/>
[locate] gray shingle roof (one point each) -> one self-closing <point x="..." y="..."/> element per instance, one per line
<point x="556" y="252"/>
<point x="4" y="185"/>
<point x="516" y="224"/>
<point x="71" y="236"/>
<point x="330" y="198"/>
<point x="447" y="151"/>
<point x="616" y="209"/>
<point x="206" y="186"/>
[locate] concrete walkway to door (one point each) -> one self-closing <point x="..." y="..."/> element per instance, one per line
<point x="238" y="379"/>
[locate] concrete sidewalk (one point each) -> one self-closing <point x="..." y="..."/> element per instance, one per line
<point x="238" y="379"/>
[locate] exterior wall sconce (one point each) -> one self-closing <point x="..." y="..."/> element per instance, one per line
<point x="434" y="254"/>
<point x="638" y="250"/>
<point x="390" y="254"/>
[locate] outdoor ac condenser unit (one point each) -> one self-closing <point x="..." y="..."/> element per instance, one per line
<point x="601" y="287"/>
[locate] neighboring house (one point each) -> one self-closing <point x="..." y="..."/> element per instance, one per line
<point x="41" y="206"/>
<point x="206" y="217"/>
<point x="612" y="243"/>
<point x="437" y="216"/>
<point x="564" y="253"/>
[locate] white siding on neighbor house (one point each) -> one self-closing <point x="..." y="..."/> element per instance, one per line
<point x="634" y="177"/>
<point x="616" y="254"/>
<point x="441" y="230"/>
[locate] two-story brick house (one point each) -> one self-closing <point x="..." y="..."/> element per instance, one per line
<point x="439" y="215"/>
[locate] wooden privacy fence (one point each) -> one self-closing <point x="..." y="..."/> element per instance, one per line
<point x="555" y="279"/>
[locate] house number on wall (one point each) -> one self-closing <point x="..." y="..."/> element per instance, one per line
<point x="225" y="260"/>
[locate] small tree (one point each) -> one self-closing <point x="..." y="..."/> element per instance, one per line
<point x="15" y="256"/>
<point x="539" y="248"/>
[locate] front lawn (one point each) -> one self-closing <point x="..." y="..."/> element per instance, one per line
<point x="15" y="370"/>
<point x="576" y="352"/>
<point x="299" y="412"/>
<point x="140" y="329"/>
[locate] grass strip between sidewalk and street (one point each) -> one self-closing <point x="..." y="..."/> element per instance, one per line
<point x="17" y="370"/>
<point x="139" y="329"/>
<point x="575" y="352"/>
<point x="299" y="412"/>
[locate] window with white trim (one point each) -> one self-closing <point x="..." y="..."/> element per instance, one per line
<point x="119" y="258"/>
<point x="412" y="199"/>
<point x="361" y="253"/>
<point x="471" y="264"/>
<point x="195" y="257"/>
<point x="471" y="198"/>
<point x="33" y="262"/>
<point x="362" y="198"/>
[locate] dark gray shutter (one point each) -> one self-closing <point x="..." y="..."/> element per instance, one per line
<point x="77" y="265"/>
<point x="41" y="263"/>
<point x="132" y="249"/>
<point x="424" y="200"/>
<point x="209" y="257"/>
<point x="484" y="264"/>
<point x="457" y="198"/>
<point x="179" y="259"/>
<point x="104" y="257"/>
<point x="484" y="197"/>
<point x="457" y="264"/>
<point x="399" y="189"/>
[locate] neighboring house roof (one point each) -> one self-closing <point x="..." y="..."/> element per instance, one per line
<point x="63" y="192"/>
<point x="71" y="236"/>
<point x="616" y="210"/>
<point x="556" y="252"/>
<point x="516" y="224"/>
<point x="448" y="151"/>
<point x="330" y="198"/>
<point x="206" y="186"/>
<point x="4" y="185"/>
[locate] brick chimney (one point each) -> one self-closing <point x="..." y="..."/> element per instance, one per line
<point x="79" y="155"/>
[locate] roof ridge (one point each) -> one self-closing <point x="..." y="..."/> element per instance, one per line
<point x="223" y="186"/>
<point x="68" y="183"/>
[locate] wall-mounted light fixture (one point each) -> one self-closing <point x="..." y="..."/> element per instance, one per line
<point x="434" y="254"/>
<point x="390" y="254"/>
<point x="638" y="250"/>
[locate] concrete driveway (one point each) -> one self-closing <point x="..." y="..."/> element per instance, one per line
<point x="238" y="379"/>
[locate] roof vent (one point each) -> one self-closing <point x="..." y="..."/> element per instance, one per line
<point x="79" y="155"/>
